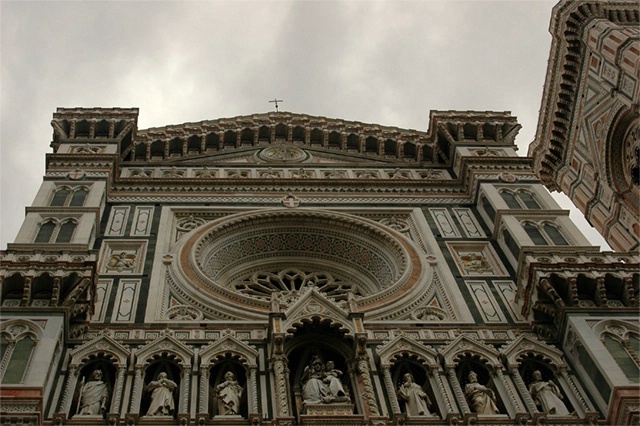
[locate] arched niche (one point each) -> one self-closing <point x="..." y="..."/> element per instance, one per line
<point x="228" y="354"/>
<point x="103" y="354"/>
<point x="526" y="355"/>
<point x="318" y="338"/>
<point x="466" y="355"/>
<point x="164" y="355"/>
<point x="402" y="355"/>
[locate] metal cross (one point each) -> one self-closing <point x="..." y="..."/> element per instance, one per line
<point x="276" y="102"/>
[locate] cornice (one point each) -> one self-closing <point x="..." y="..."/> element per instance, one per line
<point x="561" y="89"/>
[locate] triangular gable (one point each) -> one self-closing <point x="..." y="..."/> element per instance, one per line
<point x="464" y="344"/>
<point x="248" y="156"/>
<point x="165" y="344"/>
<point x="372" y="142"/>
<point x="101" y="344"/>
<point x="312" y="304"/>
<point x="228" y="345"/>
<point x="401" y="345"/>
<point x="524" y="345"/>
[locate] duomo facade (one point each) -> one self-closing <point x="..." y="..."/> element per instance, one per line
<point x="287" y="269"/>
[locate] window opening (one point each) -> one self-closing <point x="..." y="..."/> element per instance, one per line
<point x="45" y="232"/>
<point x="19" y="361"/>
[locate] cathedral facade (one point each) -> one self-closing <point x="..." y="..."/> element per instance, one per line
<point x="587" y="143"/>
<point x="287" y="269"/>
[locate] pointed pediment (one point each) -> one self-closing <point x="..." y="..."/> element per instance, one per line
<point x="260" y="155"/>
<point x="280" y="137"/>
<point x="465" y="345"/>
<point x="165" y="344"/>
<point x="228" y="345"/>
<point x="101" y="344"/>
<point x="313" y="305"/>
<point x="403" y="345"/>
<point x="524" y="346"/>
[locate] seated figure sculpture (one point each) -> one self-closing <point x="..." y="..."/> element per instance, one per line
<point x="332" y="379"/>
<point x="314" y="389"/>
<point x="322" y="385"/>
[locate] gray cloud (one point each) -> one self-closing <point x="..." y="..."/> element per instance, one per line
<point x="384" y="62"/>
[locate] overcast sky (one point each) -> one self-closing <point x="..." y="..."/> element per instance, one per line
<point x="387" y="62"/>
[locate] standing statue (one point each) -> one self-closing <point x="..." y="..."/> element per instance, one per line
<point x="332" y="379"/>
<point x="93" y="396"/>
<point x="161" y="396"/>
<point x="416" y="401"/>
<point x="314" y="390"/>
<point x="482" y="398"/>
<point x="547" y="395"/>
<point x="229" y="393"/>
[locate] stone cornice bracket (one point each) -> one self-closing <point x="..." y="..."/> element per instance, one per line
<point x="103" y="125"/>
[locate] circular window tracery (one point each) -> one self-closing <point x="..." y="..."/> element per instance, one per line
<point x="235" y="264"/>
<point x="290" y="282"/>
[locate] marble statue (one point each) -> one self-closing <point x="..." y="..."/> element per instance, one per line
<point x="547" y="395"/>
<point x="229" y="393"/>
<point x="162" y="403"/>
<point x="416" y="401"/>
<point x="482" y="398"/>
<point x="332" y="379"/>
<point x="93" y="396"/>
<point x="314" y="389"/>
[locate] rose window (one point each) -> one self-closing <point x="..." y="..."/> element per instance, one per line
<point x="292" y="281"/>
<point x="236" y="263"/>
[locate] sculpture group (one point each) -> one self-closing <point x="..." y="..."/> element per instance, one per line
<point x="321" y="383"/>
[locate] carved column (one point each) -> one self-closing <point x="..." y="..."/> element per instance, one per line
<point x="362" y="364"/>
<point x="253" y="377"/>
<point x="70" y="385"/>
<point x="279" y="363"/>
<point x="513" y="397"/>
<point x="137" y="389"/>
<point x="204" y="389"/>
<point x="55" y="292"/>
<point x="574" y="389"/>
<point x="26" y="293"/>
<point x="522" y="388"/>
<point x="185" y="383"/>
<point x="391" y="391"/>
<point x="600" y="295"/>
<point x="457" y="390"/>
<point x="117" y="394"/>
<point x="445" y="395"/>
<point x="628" y="296"/>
